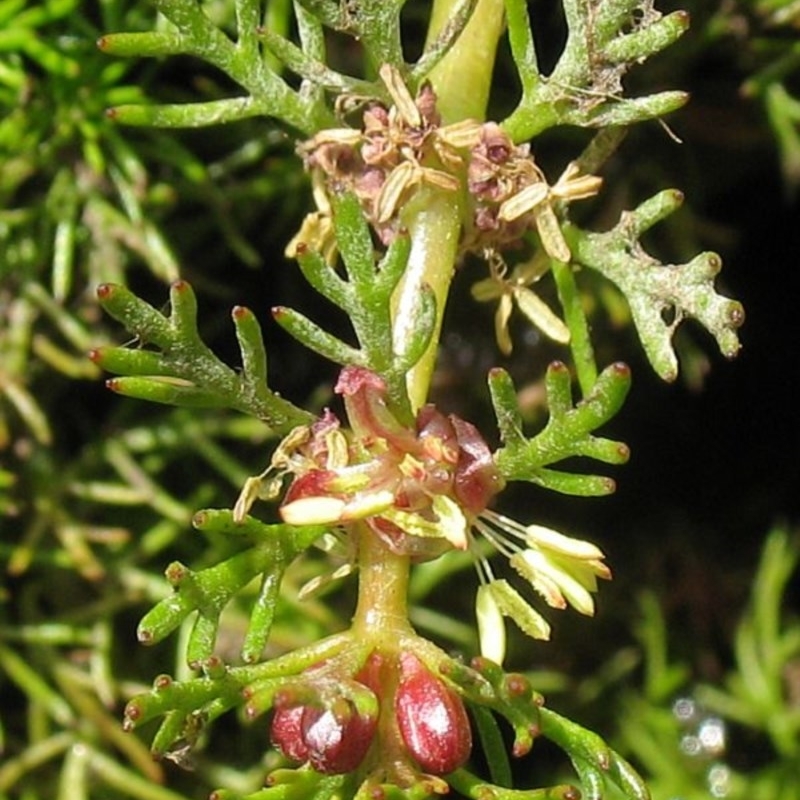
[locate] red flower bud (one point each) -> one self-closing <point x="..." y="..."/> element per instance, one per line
<point x="337" y="739"/>
<point x="431" y="718"/>
<point x="334" y="740"/>
<point x="477" y="478"/>
<point x="287" y="733"/>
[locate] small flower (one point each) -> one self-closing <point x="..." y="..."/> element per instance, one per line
<point x="416" y="488"/>
<point x="398" y="149"/>
<point x="537" y="199"/>
<point x="563" y="570"/>
<point x="423" y="490"/>
<point x="514" y="291"/>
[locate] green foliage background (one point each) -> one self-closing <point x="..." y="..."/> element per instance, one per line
<point x="97" y="492"/>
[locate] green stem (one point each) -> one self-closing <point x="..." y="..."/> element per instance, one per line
<point x="434" y="222"/>
<point x="463" y="78"/>
<point x="381" y="614"/>
<point x="580" y="340"/>
<point x="433" y="219"/>
<point x="462" y="81"/>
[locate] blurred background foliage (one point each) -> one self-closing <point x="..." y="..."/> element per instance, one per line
<point x="698" y="679"/>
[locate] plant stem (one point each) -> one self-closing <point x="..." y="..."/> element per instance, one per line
<point x="382" y="611"/>
<point x="433" y="218"/>
<point x="580" y="341"/>
<point x="463" y="78"/>
<point x="462" y="81"/>
<point x="434" y="222"/>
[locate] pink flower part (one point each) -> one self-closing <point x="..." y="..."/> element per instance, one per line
<point x="431" y="718"/>
<point x="315" y="483"/>
<point x="477" y="478"/>
<point x="364" y="395"/>
<point x="416" y="487"/>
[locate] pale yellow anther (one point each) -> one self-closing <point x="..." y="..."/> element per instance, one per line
<point x="400" y="95"/>
<point x="524" y="201"/>
<point x="367" y="505"/>
<point x="313" y="511"/>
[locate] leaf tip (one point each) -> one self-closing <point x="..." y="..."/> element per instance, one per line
<point x="621" y="370"/>
<point x="133" y="713"/>
<point x="736" y="315"/>
<point x="105" y="290"/>
<point x="176" y="573"/>
<point x="144" y="636"/>
<point x="199" y="520"/>
<point x="162" y="682"/>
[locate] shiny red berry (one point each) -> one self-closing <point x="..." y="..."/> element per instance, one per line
<point x="287" y="733"/>
<point x="337" y="741"/>
<point x="334" y="740"/>
<point x="431" y="718"/>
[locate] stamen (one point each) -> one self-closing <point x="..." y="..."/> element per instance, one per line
<point x="498" y="541"/>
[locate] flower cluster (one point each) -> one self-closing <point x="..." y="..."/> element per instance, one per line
<point x="424" y="490"/>
<point x="402" y="147"/>
<point x="418" y="489"/>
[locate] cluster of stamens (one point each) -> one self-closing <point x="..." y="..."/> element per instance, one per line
<point x="404" y="147"/>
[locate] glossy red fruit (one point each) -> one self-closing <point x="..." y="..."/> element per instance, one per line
<point x="431" y="718"/>
<point x="286" y="733"/>
<point x="333" y="740"/>
<point x="337" y="742"/>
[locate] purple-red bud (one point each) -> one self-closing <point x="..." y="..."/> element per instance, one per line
<point x="431" y="718"/>
<point x="287" y="733"/>
<point x="337" y="742"/>
<point x="334" y="740"/>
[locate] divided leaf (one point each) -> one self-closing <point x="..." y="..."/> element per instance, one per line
<point x="366" y="297"/>
<point x="568" y="432"/>
<point x="208" y="592"/>
<point x="660" y="296"/>
<point x="183" y="370"/>
<point x="595" y="762"/>
<point x="585" y="88"/>
<point x="191" y="31"/>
